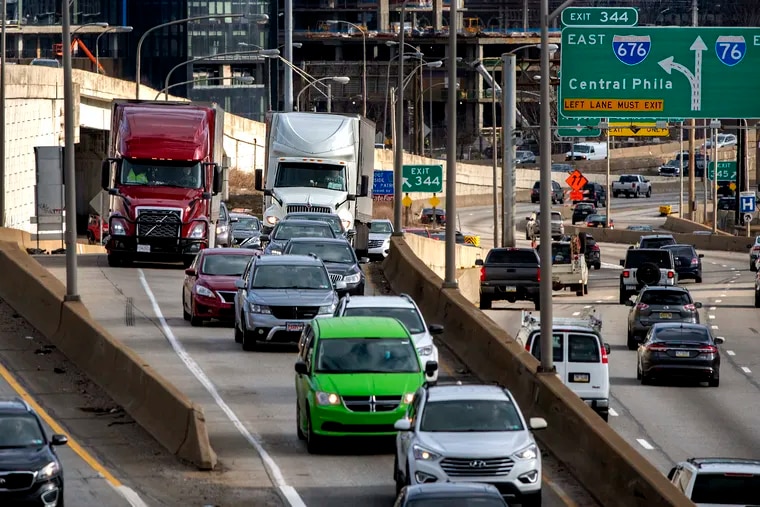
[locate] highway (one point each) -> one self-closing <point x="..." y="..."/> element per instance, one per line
<point x="670" y="422"/>
<point x="249" y="398"/>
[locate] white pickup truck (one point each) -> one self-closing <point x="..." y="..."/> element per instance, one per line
<point x="569" y="268"/>
<point x="631" y="185"/>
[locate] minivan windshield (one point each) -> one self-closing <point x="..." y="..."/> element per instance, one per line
<point x="582" y="148"/>
<point x="366" y="355"/>
<point x="313" y="175"/>
<point x="459" y="416"/>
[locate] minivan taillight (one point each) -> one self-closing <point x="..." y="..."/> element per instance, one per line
<point x="605" y="360"/>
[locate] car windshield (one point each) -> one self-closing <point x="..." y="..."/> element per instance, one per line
<point x="328" y="252"/>
<point x="367" y="355"/>
<point x="682" y="335"/>
<point x="380" y="227"/>
<point x="457" y="501"/>
<point x="408" y="316"/>
<point x="561" y="253"/>
<point x="224" y="265"/>
<point x="455" y="416"/>
<point x="332" y="221"/>
<point x="290" y="277"/>
<point x="584" y="206"/>
<point x="656" y="242"/>
<point x="304" y="174"/>
<point x="163" y="173"/>
<point x="246" y="224"/>
<point x="287" y="231"/>
<point x="597" y="218"/>
<point x="581" y="148"/>
<point x="665" y="297"/>
<point x="726" y="489"/>
<point x="20" y="430"/>
<point x="635" y="258"/>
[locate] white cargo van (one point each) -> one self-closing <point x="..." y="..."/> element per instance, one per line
<point x="587" y="151"/>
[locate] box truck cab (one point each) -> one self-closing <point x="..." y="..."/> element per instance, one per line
<point x="587" y="151"/>
<point x="164" y="180"/>
<point x="318" y="162"/>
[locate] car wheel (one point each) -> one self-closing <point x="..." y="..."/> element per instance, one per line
<point x="299" y="431"/>
<point x="638" y="372"/>
<point x="116" y="261"/>
<point x="59" y="503"/>
<point x="632" y="343"/>
<point x="527" y="236"/>
<point x="485" y="302"/>
<point x="698" y="279"/>
<point x="397" y="477"/>
<point x="757" y="299"/>
<point x="562" y="201"/>
<point x="645" y="379"/>
<point x="313" y="441"/>
<point x="185" y="314"/>
<point x="605" y="416"/>
<point x="194" y="321"/>
<point x="579" y="290"/>
<point x="649" y="192"/>
<point x="238" y="333"/>
<point x="249" y="341"/>
<point x="714" y="381"/>
<point x="751" y="264"/>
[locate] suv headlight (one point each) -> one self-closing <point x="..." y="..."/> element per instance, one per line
<point x="204" y="291"/>
<point x="422" y="454"/>
<point x="198" y="231"/>
<point x="355" y="278"/>
<point x="259" y="308"/>
<point x="49" y="470"/>
<point x="408" y="398"/>
<point x="118" y="227"/>
<point x="271" y="219"/>
<point x="327" y="309"/>
<point x="530" y="452"/>
<point x="425" y="351"/>
<point x="327" y="398"/>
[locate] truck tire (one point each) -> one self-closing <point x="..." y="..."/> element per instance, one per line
<point x="615" y="194"/>
<point x="579" y="290"/>
<point x="649" y="192"/>
<point x="485" y="302"/>
<point x="585" y="288"/>
<point x="114" y="261"/>
<point x="648" y="274"/>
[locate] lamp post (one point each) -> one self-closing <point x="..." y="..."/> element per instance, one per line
<point x="398" y="142"/>
<point x="296" y="45"/>
<point x="450" y="271"/>
<point x="262" y="52"/>
<point x="333" y="79"/>
<point x="259" y="18"/>
<point x="70" y="196"/>
<point x="387" y="85"/>
<point x="245" y="79"/>
<point x="364" y="60"/>
<point x="99" y="24"/>
<point x="118" y="29"/>
<point x="2" y="114"/>
<point x="305" y="75"/>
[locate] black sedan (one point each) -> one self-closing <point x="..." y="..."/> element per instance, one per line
<point x="338" y="257"/>
<point x="679" y="349"/>
<point x="583" y="210"/>
<point x="688" y="262"/>
<point x="599" y="221"/>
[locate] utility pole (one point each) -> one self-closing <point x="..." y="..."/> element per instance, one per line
<point x="398" y="141"/>
<point x="692" y="140"/>
<point x="2" y="117"/>
<point x="288" y="77"/>
<point x="70" y="201"/>
<point x="509" y="123"/>
<point x="450" y="278"/>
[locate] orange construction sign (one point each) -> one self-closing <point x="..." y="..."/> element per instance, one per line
<point x="576" y="180"/>
<point x="576" y="195"/>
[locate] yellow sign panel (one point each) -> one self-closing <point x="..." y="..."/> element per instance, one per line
<point x="434" y="201"/>
<point x="732" y="185"/>
<point x="406" y="201"/>
<point x="637" y="130"/>
<point x="597" y="105"/>
<point x="472" y="240"/>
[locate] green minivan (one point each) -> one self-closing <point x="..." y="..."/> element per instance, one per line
<point x="355" y="376"/>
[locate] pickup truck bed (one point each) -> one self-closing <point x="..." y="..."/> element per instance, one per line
<point x="510" y="274"/>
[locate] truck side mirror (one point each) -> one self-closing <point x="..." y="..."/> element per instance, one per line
<point x="217" y="183"/>
<point x="258" y="179"/>
<point x="363" y="186"/>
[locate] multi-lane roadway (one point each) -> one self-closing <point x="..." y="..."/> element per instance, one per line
<point x="670" y="422"/>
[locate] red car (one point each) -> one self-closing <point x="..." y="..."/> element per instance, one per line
<point x="209" y="288"/>
<point x="93" y="230"/>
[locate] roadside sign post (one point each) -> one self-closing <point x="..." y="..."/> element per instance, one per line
<point x="407" y="203"/>
<point x="748" y="208"/>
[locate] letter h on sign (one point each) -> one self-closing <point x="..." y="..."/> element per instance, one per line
<point x="747" y="203"/>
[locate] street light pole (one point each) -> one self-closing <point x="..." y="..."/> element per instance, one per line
<point x="364" y="61"/>
<point x="398" y="141"/>
<point x="120" y="29"/>
<point x="333" y="79"/>
<point x="70" y="197"/>
<point x="387" y="84"/>
<point x="288" y="75"/>
<point x="2" y="114"/>
<point x="495" y="155"/>
<point x="204" y="79"/>
<point x="450" y="272"/>
<point x="509" y="123"/>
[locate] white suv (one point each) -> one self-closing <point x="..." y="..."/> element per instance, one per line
<point x="402" y="308"/>
<point x="716" y="482"/>
<point x="469" y="433"/>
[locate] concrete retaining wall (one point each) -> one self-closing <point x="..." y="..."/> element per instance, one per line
<point x="168" y="415"/>
<point x="611" y="469"/>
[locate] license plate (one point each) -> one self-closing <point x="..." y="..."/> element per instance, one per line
<point x="143" y="248"/>
<point x="510" y="288"/>
<point x="294" y="327"/>
<point x="666" y="315"/>
<point x="682" y="353"/>
<point x="581" y="377"/>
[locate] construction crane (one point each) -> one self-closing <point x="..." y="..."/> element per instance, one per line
<point x="76" y="45"/>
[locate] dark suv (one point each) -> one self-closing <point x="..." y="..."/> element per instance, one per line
<point x="594" y="193"/>
<point x="558" y="195"/>
<point x="688" y="261"/>
<point x="30" y="471"/>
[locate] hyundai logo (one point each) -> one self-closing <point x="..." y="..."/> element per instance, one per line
<point x="2" y="481"/>
<point x="478" y="464"/>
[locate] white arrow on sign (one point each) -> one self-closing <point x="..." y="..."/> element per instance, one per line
<point x="695" y="79"/>
<point x="406" y="182"/>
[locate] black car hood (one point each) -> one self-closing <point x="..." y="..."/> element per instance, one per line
<point x="338" y="268"/>
<point x="245" y="234"/>
<point x="25" y="459"/>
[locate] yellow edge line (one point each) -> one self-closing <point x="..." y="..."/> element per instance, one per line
<point x="559" y="491"/>
<point x="73" y="444"/>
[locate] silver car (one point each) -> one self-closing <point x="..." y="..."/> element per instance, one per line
<point x="469" y="433"/>
<point x="379" y="242"/>
<point x="278" y="295"/>
<point x="659" y="304"/>
<point x="533" y="225"/>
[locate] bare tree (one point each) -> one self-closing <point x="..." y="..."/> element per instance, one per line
<point x="744" y="13"/>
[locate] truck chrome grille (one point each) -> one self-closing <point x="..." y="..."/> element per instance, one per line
<point x="477" y="467"/>
<point x="372" y="403"/>
<point x="294" y="312"/>
<point x="15" y="481"/>
<point x="159" y="223"/>
<point x="304" y="208"/>
<point x="335" y="278"/>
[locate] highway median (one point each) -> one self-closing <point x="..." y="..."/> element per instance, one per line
<point x="159" y="407"/>
<point x="611" y="470"/>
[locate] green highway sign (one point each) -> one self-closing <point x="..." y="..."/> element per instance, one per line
<point x="422" y="178"/>
<point x="600" y="16"/>
<point x="726" y="170"/>
<point x="660" y="72"/>
<point x="578" y="127"/>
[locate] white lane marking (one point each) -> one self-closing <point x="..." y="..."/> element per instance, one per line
<point x="587" y="307"/>
<point x="598" y="301"/>
<point x="731" y="281"/>
<point x="723" y="266"/>
<point x="732" y="269"/>
<point x="746" y="370"/>
<point x="609" y="297"/>
<point x="274" y="472"/>
<point x="713" y="262"/>
<point x="711" y="316"/>
<point x="714" y="327"/>
<point x="575" y="314"/>
<point x="717" y="301"/>
<point x="643" y="443"/>
<point x="131" y="497"/>
<point x="712" y="307"/>
<point x="730" y="352"/>
<point x="722" y="295"/>
<point x="607" y="265"/>
<point x="613" y="413"/>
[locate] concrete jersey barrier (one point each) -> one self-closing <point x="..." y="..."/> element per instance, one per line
<point x="612" y="470"/>
<point x="158" y="406"/>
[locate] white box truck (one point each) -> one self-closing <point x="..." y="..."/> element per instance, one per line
<point x="318" y="162"/>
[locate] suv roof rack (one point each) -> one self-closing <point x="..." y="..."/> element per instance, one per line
<point x="589" y="316"/>
<point x="698" y="462"/>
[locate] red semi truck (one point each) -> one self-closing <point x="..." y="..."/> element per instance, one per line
<point x="164" y="176"/>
